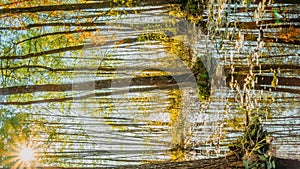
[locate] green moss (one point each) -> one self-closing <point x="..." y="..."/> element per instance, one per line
<point x="202" y="79"/>
<point x="193" y="7"/>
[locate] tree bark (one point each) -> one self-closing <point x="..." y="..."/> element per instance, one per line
<point x="80" y="6"/>
<point x="174" y="86"/>
<point x="99" y="84"/>
<point x="36" y="25"/>
<point x="229" y="162"/>
<point x="267" y="80"/>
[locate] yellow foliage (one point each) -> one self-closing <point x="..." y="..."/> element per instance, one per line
<point x="290" y="34"/>
<point x="174" y="108"/>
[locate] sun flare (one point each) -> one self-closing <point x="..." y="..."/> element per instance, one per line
<point x="26" y="154"/>
<point x="22" y="157"/>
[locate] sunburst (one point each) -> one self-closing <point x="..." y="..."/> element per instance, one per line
<point x="27" y="154"/>
<point x="22" y="156"/>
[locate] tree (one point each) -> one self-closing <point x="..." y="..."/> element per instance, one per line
<point x="43" y="50"/>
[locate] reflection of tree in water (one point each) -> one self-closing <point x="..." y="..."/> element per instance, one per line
<point x="262" y="54"/>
